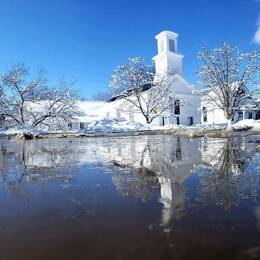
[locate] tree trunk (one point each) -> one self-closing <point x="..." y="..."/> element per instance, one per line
<point x="148" y="120"/>
<point x="229" y="124"/>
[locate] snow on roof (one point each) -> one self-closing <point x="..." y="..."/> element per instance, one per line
<point x="247" y="124"/>
<point x="90" y="105"/>
<point x="166" y="33"/>
<point x="91" y="110"/>
<point x="129" y="92"/>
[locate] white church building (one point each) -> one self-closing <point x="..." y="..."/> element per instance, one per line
<point x="184" y="103"/>
<point x="187" y="107"/>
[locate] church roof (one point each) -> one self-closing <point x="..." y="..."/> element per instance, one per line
<point x="129" y="92"/>
<point x="166" y="33"/>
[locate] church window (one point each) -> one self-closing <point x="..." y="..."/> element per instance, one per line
<point x="205" y="115"/>
<point x="190" y="120"/>
<point x="81" y="125"/>
<point x="162" y="121"/>
<point x="240" y="115"/>
<point x="257" y="116"/>
<point x="172" y="45"/>
<point x="176" y="107"/>
<point x="250" y="115"/>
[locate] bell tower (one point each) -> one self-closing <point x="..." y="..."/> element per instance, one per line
<point x="168" y="61"/>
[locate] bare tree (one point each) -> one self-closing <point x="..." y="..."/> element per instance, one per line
<point x="226" y="75"/>
<point x="136" y="83"/>
<point x="101" y="96"/>
<point x="226" y="164"/>
<point x="32" y="103"/>
<point x="2" y="117"/>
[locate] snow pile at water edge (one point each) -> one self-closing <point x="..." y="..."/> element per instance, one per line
<point x="114" y="125"/>
<point x="247" y="124"/>
<point x="16" y="131"/>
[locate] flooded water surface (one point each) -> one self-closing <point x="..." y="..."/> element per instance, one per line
<point x="147" y="197"/>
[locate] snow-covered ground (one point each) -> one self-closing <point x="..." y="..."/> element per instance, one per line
<point x="247" y="124"/>
<point x="123" y="126"/>
<point x="114" y="125"/>
<point x="91" y="110"/>
<point x="94" y="116"/>
<point x="16" y="131"/>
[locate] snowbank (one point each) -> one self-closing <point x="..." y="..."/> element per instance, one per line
<point x="121" y="126"/>
<point x="247" y="124"/>
<point x="114" y="125"/>
<point x="21" y="133"/>
<point x="124" y="125"/>
<point x="17" y="131"/>
<point x="91" y="110"/>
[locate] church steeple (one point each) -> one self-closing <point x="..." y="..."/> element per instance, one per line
<point x="168" y="61"/>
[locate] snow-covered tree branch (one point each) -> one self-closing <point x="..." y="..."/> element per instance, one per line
<point x="32" y="103"/>
<point x="135" y="82"/>
<point x="228" y="77"/>
<point x="101" y="96"/>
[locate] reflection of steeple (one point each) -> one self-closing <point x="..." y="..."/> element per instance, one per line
<point x="142" y="166"/>
<point x="173" y="199"/>
<point x="174" y="164"/>
<point x="166" y="198"/>
<point x="171" y="160"/>
<point x="145" y="164"/>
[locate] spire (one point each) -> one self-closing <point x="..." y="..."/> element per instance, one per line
<point x="168" y="61"/>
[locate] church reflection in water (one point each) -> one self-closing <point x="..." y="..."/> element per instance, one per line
<point x="222" y="171"/>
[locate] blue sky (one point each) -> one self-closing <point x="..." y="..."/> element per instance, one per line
<point x="85" y="40"/>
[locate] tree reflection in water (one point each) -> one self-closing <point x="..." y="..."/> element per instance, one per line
<point x="226" y="169"/>
<point x="228" y="173"/>
<point x="27" y="161"/>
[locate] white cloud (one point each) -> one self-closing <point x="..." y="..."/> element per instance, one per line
<point x="256" y="38"/>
